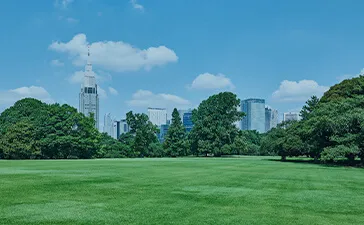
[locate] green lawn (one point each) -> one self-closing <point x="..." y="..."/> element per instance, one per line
<point x="250" y="190"/>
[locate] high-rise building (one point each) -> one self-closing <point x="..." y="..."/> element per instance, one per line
<point x="187" y="121"/>
<point x="124" y="126"/>
<point x="158" y="116"/>
<point x="186" y="117"/>
<point x="254" y="118"/>
<point x="108" y="125"/>
<point x="163" y="132"/>
<point x="116" y="129"/>
<point x="89" y="98"/>
<point x="120" y="127"/>
<point x="291" y="116"/>
<point x="271" y="118"/>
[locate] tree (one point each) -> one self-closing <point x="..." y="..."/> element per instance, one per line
<point x="307" y="109"/>
<point x="346" y="89"/>
<point x="108" y="147"/>
<point x="239" y="146"/>
<point x="59" y="131"/>
<point x="19" y="142"/>
<point x="253" y="139"/>
<point x="144" y="132"/>
<point x="214" y="124"/>
<point x="175" y="142"/>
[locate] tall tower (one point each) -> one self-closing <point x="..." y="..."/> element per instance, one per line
<point x="89" y="98"/>
<point x="254" y="110"/>
<point x="271" y="118"/>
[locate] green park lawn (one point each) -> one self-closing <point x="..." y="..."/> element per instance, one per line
<point x="248" y="190"/>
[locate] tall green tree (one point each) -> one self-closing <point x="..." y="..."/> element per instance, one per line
<point x="144" y="132"/>
<point x="19" y="142"/>
<point x="214" y="124"/>
<point x="175" y="142"/>
<point x="308" y="108"/>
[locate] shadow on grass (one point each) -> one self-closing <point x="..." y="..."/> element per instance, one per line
<point x="341" y="163"/>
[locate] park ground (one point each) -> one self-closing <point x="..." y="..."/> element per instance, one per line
<point x="247" y="190"/>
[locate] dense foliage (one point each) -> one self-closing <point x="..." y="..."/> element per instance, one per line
<point x="176" y="143"/>
<point x="214" y="131"/>
<point x="32" y="129"/>
<point x="331" y="129"/>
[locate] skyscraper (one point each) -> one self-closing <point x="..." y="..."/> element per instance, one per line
<point x="158" y="116"/>
<point x="108" y="125"/>
<point x="186" y="117"/>
<point x="89" y="98"/>
<point x="291" y="116"/>
<point x="271" y="118"/>
<point x="116" y="129"/>
<point x="254" y="110"/>
<point x="163" y="132"/>
<point x="120" y="127"/>
<point x="124" y="126"/>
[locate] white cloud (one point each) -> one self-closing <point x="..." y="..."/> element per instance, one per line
<point x="211" y="81"/>
<point x="293" y="91"/>
<point x="102" y="93"/>
<point x="350" y="76"/>
<point x="136" y="5"/>
<point x="115" y="56"/>
<point x="77" y="77"/>
<point x="113" y="91"/>
<point x="11" y="96"/>
<point x="63" y="4"/>
<point x="56" y="62"/>
<point x="72" y="20"/>
<point x="145" y="98"/>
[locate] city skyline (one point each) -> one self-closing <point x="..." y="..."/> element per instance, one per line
<point x="272" y="52"/>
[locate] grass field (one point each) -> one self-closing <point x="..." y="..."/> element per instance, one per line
<point x="251" y="190"/>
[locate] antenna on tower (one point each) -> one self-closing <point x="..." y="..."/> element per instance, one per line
<point x="88" y="50"/>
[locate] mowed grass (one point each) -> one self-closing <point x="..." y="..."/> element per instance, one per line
<point x="249" y="190"/>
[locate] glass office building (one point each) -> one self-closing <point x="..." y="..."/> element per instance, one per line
<point x="254" y="110"/>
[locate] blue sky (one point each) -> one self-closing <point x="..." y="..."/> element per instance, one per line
<point x="167" y="53"/>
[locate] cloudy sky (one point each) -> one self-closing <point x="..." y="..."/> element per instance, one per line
<point x="165" y="53"/>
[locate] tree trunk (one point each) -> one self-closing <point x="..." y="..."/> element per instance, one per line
<point x="283" y="158"/>
<point x="315" y="159"/>
<point x="351" y="158"/>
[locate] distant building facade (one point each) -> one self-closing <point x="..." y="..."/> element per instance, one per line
<point x="291" y="116"/>
<point x="271" y="119"/>
<point x="124" y="126"/>
<point x="116" y="129"/>
<point x="158" y="116"/>
<point x="109" y="125"/>
<point x="254" y="110"/>
<point x="186" y="116"/>
<point x="89" y="98"/>
<point x="120" y="127"/>
<point x="163" y="130"/>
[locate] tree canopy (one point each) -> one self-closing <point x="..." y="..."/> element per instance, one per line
<point x="176" y="143"/>
<point x="214" y="130"/>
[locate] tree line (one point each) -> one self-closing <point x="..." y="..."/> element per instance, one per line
<point x="331" y="128"/>
<point x="31" y="129"/>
